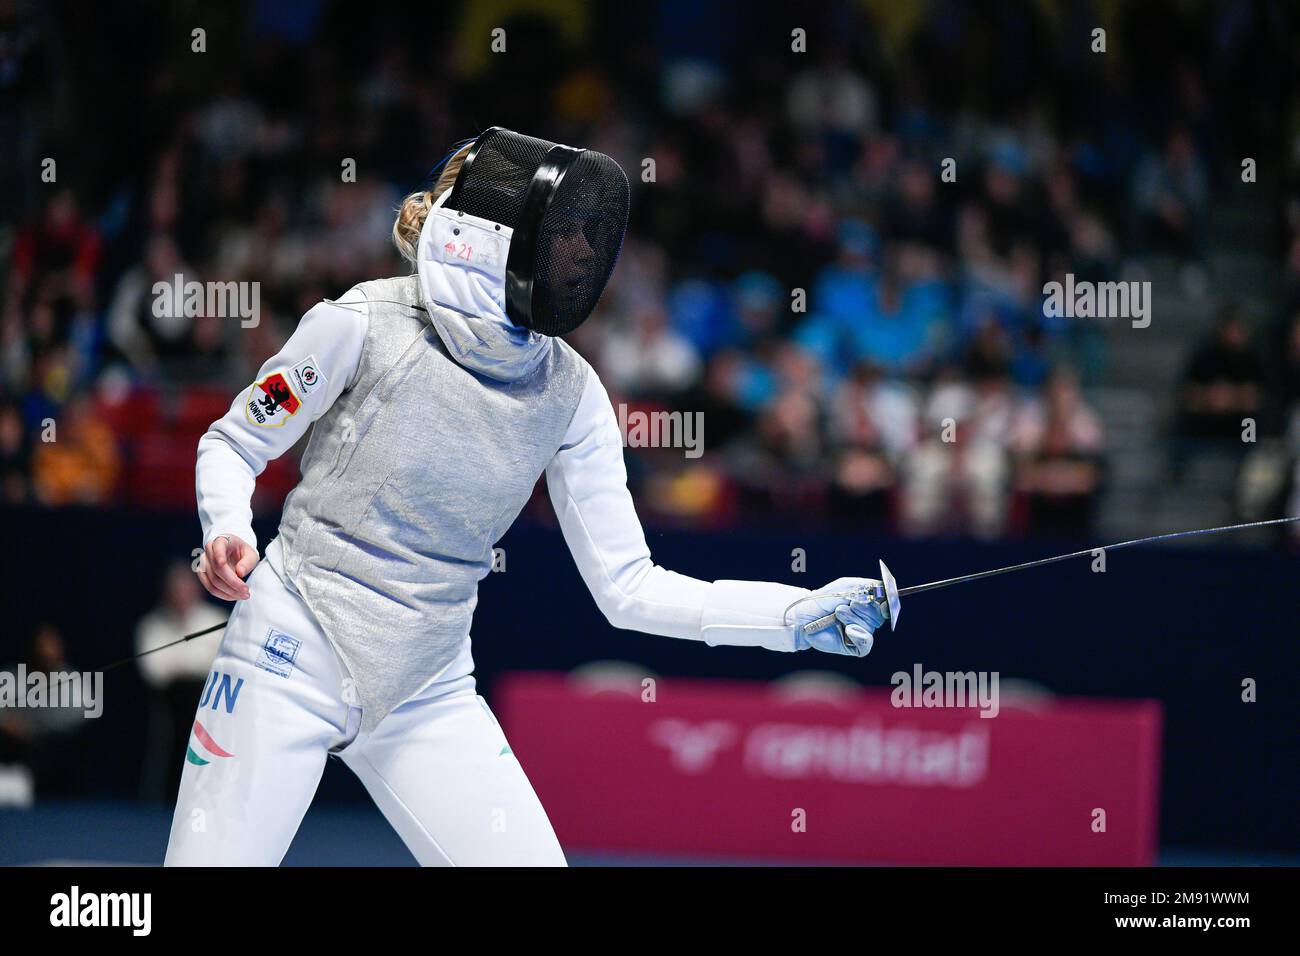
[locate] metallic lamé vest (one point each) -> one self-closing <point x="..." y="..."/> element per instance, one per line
<point x="407" y="482"/>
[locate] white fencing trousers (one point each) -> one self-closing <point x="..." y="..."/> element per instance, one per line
<point x="278" y="701"/>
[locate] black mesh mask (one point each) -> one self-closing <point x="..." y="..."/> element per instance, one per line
<point x="568" y="211"/>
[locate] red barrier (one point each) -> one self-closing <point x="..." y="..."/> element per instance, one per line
<point x="730" y="769"/>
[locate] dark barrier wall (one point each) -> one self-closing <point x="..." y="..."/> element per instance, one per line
<point x="1184" y="626"/>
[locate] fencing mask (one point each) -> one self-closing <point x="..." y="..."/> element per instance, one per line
<point x="567" y="209"/>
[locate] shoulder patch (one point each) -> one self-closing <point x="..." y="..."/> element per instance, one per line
<point x="271" y="402"/>
<point x="306" y="376"/>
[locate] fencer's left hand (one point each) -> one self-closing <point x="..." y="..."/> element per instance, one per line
<point x="857" y="617"/>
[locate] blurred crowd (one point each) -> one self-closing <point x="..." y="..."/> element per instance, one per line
<point x="837" y="256"/>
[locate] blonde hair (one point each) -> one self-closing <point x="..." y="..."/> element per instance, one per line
<point x="415" y="207"/>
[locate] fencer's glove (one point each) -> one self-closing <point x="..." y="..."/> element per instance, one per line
<point x="857" y="615"/>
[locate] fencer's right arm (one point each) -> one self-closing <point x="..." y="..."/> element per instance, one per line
<point x="587" y="481"/>
<point x="292" y="389"/>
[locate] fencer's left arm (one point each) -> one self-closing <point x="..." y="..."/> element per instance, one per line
<point x="587" y="481"/>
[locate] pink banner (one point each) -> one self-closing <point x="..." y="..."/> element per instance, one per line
<point x="731" y="769"/>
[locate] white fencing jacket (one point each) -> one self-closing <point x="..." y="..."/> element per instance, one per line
<point x="325" y="358"/>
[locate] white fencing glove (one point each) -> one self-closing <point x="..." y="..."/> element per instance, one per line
<point x="857" y="616"/>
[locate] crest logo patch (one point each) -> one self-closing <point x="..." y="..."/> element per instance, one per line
<point x="271" y="402"/>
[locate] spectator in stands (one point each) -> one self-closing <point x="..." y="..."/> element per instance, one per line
<point x="175" y="676"/>
<point x="1171" y="197"/>
<point x="701" y="313"/>
<point x="53" y="366"/>
<point x="957" y="477"/>
<point x="1269" y="481"/>
<point x="916" y="213"/>
<point x="79" y="463"/>
<point x="647" y="358"/>
<point x="62" y="246"/>
<point x="734" y="387"/>
<point x="1093" y="257"/>
<point x="1223" y="383"/>
<point x="47" y="740"/>
<point x="781" y="461"/>
<point x="872" y="408"/>
<point x="1007" y="203"/>
<point x="15" y="455"/>
<point x="872" y="427"/>
<point x="834" y="102"/>
<point x="1057" y="443"/>
<point x="892" y="319"/>
<point x="759" y="301"/>
<point x="1288" y="392"/>
<point x="143" y="334"/>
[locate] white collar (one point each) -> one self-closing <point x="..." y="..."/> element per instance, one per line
<point x="461" y="261"/>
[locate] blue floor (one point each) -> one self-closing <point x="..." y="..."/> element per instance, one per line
<point x="331" y="835"/>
